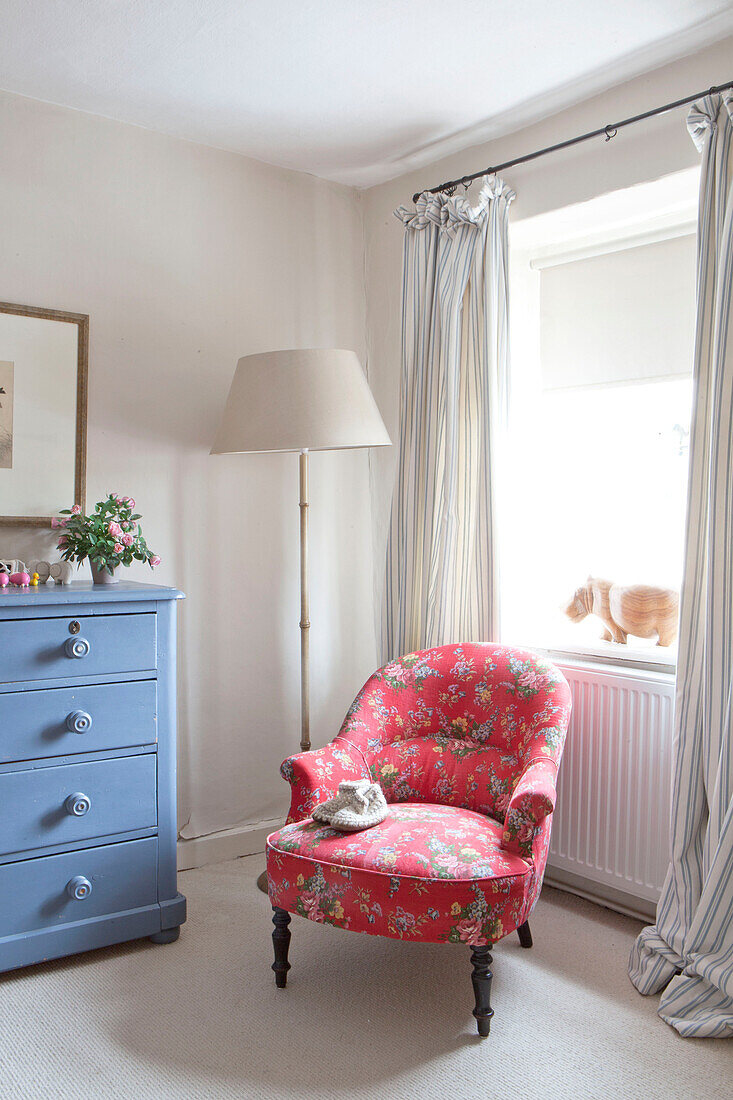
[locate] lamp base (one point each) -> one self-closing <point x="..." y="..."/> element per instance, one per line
<point x="262" y="882"/>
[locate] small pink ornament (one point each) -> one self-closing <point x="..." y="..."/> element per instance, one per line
<point x="20" y="580"/>
<point x="4" y="581"/>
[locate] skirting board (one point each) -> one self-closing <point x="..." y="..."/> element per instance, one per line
<point x="243" y="840"/>
<point x="601" y="894"/>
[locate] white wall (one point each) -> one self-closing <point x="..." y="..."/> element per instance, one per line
<point x="186" y="258"/>
<point x="646" y="151"/>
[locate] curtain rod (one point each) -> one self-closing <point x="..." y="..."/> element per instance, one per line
<point x="610" y="131"/>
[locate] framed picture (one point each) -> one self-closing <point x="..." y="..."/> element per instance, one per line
<point x="43" y="412"/>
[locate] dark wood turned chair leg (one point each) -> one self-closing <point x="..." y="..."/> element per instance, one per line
<point x="281" y="943"/>
<point x="481" y="978"/>
<point x="525" y="936"/>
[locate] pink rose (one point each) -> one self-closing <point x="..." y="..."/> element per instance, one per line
<point x="155" y="560"/>
<point x="128" y="540"/>
<point x="58" y="522"/>
<point x="118" y="548"/>
<point x="76" y="510"/>
<point x="62" y="542"/>
<point x="114" y="528"/>
<point x="311" y="905"/>
<point x="469" y="930"/>
<point x="450" y="863"/>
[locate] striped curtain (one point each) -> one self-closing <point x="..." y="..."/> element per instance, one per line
<point x="441" y="583"/>
<point x="688" y="954"/>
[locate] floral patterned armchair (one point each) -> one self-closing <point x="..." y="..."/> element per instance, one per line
<point x="465" y="741"/>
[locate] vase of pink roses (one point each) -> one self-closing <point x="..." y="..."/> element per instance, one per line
<point x="109" y="536"/>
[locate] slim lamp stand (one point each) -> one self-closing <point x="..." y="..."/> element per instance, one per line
<point x="305" y="718"/>
<point x="305" y="737"/>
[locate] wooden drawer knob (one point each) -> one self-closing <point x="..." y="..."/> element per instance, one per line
<point x="78" y="804"/>
<point x="78" y="721"/>
<point x="78" y="888"/>
<point x="76" y="647"/>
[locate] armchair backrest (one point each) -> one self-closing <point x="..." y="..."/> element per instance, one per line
<point x="459" y="724"/>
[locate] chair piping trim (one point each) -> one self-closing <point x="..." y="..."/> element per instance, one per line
<point x="387" y="874"/>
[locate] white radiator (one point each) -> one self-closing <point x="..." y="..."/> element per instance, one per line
<point x="610" y="830"/>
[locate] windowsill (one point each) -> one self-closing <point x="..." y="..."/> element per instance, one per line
<point x="657" y="659"/>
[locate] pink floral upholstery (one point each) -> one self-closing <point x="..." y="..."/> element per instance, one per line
<point x="430" y="872"/>
<point x="465" y="741"/>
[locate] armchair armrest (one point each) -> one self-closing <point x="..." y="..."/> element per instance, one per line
<point x="314" y="776"/>
<point x="532" y="801"/>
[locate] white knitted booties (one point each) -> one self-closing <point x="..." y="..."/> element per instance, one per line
<point x="359" y="804"/>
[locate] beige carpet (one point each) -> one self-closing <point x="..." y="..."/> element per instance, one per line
<point x="362" y="1017"/>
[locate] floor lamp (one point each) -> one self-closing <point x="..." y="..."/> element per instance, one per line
<point x="312" y="400"/>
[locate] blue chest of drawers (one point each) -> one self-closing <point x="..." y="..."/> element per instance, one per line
<point x="87" y="769"/>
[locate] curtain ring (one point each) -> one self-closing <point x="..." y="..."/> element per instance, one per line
<point x="610" y="132"/>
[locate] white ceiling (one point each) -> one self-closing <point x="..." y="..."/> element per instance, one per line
<point x="353" y="90"/>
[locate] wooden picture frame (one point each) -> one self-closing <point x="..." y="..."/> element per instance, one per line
<point x="81" y="320"/>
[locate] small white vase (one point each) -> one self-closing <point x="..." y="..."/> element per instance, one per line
<point x="102" y="575"/>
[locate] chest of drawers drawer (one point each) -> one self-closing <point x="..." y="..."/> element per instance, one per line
<point x="68" y="803"/>
<point x="95" y="645"/>
<point x="75" y="886"/>
<point x="61" y="721"/>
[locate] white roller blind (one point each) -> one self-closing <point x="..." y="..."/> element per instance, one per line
<point x="619" y="317"/>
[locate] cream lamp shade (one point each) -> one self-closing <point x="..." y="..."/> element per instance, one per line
<point x="312" y="400"/>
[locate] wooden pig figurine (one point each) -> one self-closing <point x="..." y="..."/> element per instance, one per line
<point x="638" y="609"/>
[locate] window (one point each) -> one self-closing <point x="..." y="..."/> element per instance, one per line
<point x="594" y="469"/>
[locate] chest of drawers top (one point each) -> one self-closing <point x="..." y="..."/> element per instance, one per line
<point x="20" y="602"/>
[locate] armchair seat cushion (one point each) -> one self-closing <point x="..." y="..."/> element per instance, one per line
<point x="428" y="872"/>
